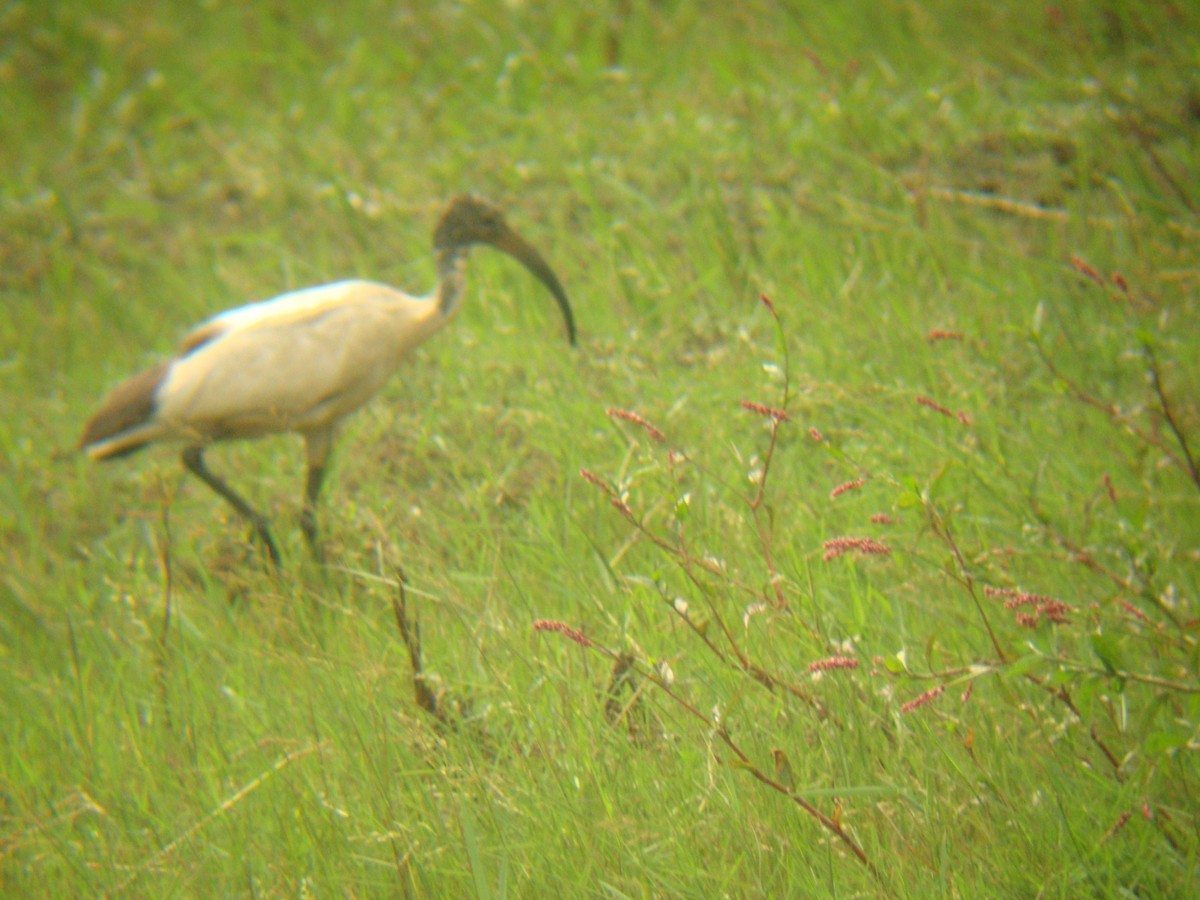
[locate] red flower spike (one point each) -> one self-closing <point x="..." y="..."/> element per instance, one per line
<point x="1080" y="265"/>
<point x="574" y="634"/>
<point x="847" y="486"/>
<point x="637" y="420"/>
<point x="1043" y="606"/>
<point x="778" y="415"/>
<point x="934" y="405"/>
<point x="923" y="699"/>
<point x="833" y="662"/>
<point x="1108" y="487"/>
<point x="592" y="478"/>
<point x="840" y="546"/>
<point x="937" y="407"/>
<point x="1134" y="611"/>
<point x="1121" y="822"/>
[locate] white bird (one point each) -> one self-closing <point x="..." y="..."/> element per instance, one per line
<point x="300" y="362"/>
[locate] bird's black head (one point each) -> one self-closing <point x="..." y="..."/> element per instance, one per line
<point x="470" y="220"/>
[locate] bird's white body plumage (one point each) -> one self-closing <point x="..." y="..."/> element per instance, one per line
<point x="299" y="362"/>
<point x="296" y="363"/>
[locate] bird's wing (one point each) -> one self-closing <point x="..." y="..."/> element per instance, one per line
<point x="293" y="306"/>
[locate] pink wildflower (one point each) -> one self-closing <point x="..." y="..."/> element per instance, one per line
<point x="839" y="546"/>
<point x="778" y="415"/>
<point x="1085" y="269"/>
<point x="574" y="634"/>
<point x="847" y="486"/>
<point x="923" y="699"/>
<point x="937" y="407"/>
<point x="637" y="420"/>
<point x="833" y="662"/>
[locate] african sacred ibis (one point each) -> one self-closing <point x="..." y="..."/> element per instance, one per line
<point x="301" y="362"/>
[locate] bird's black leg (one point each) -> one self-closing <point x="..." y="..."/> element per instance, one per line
<point x="317" y="445"/>
<point x="308" y="516"/>
<point x="193" y="458"/>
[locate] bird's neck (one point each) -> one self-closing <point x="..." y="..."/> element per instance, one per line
<point x="452" y="279"/>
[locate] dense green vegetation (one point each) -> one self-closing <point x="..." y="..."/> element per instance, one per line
<point x="977" y="364"/>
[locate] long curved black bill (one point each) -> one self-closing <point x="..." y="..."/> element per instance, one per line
<point x="515" y="246"/>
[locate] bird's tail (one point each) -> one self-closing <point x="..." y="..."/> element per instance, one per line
<point x="123" y="423"/>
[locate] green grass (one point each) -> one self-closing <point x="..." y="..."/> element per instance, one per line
<point x="182" y="721"/>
